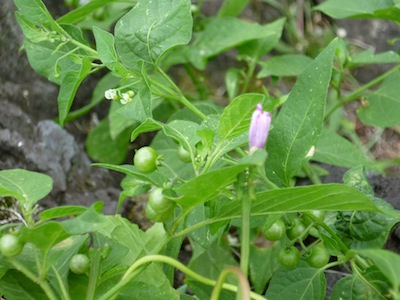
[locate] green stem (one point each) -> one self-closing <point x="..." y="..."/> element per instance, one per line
<point x="245" y="238"/>
<point x="182" y="98"/>
<point x="42" y="283"/>
<point x="249" y="74"/>
<point x="141" y="262"/>
<point x="94" y="273"/>
<point x="310" y="172"/>
<point x="61" y="284"/>
<point x="329" y="230"/>
<point x="357" y="93"/>
<point x="243" y="283"/>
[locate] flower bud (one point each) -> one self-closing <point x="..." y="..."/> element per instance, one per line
<point x="259" y="127"/>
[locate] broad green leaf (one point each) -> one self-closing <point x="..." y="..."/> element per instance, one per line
<point x="354" y="287"/>
<point x="150" y="29"/>
<point x="101" y="147"/>
<point x="34" y="11"/>
<point x="31" y="32"/>
<point x="149" y="284"/>
<point x="105" y="47"/>
<point x="89" y="221"/>
<point x="62" y="211"/>
<point x="298" y="125"/>
<point x="55" y="59"/>
<point x="140" y="109"/>
<point x="221" y="34"/>
<point x="45" y="235"/>
<point x="108" y="81"/>
<point x="340" y="9"/>
<point x="284" y="65"/>
<point x="59" y="258"/>
<point x="205" y="186"/>
<point x="302" y="282"/>
<point x="83" y="11"/>
<point x="331" y="197"/>
<point x="263" y="264"/>
<point x="368" y="57"/>
<point x="236" y="117"/>
<point x="211" y="263"/>
<point x="149" y="125"/>
<point x="26" y="186"/>
<point x="382" y="108"/>
<point x="119" y="123"/>
<point x="68" y="88"/>
<point x="232" y="8"/>
<point x="16" y="286"/>
<point x="155" y="178"/>
<point x="335" y="150"/>
<point x="255" y="49"/>
<point x="387" y="262"/>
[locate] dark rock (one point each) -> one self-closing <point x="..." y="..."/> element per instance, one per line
<point x="28" y="139"/>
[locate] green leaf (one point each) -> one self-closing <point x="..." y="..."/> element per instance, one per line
<point x="119" y="123"/>
<point x="34" y="11"/>
<point x="140" y="109"/>
<point x="284" y="65"/>
<point x="149" y="125"/>
<point x="232" y="8"/>
<point x="335" y="150"/>
<point x="55" y="59"/>
<point x="89" y="221"/>
<point x="150" y="29"/>
<point x="263" y="264"/>
<point x="62" y="211"/>
<point x="45" y="235"/>
<point x="382" y="107"/>
<point x="155" y="178"/>
<point x="31" y="32"/>
<point x="340" y="9"/>
<point x="387" y="262"/>
<point x="354" y="287"/>
<point x="232" y="82"/>
<point x="102" y="147"/>
<point x="68" y="88"/>
<point x="331" y="197"/>
<point x="298" y="125"/>
<point x="302" y="282"/>
<point x="211" y="263"/>
<point x="16" y="286"/>
<point x="221" y="34"/>
<point x="236" y="117"/>
<point x="26" y="186"/>
<point x="368" y="57"/>
<point x="83" y="11"/>
<point x="205" y="186"/>
<point x="105" y="48"/>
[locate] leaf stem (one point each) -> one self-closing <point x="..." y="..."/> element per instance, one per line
<point x="243" y="283"/>
<point x="94" y="272"/>
<point x="182" y="98"/>
<point x="246" y="198"/>
<point x="357" y="93"/>
<point x="42" y="283"/>
<point x="141" y="262"/>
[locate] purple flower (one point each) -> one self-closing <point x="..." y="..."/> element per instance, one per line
<point x="259" y="127"/>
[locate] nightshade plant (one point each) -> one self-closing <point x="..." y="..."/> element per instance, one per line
<point x="212" y="182"/>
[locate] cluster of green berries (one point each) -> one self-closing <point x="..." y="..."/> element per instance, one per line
<point x="297" y="231"/>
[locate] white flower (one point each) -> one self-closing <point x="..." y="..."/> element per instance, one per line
<point x="125" y="98"/>
<point x="111" y="94"/>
